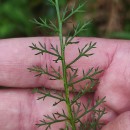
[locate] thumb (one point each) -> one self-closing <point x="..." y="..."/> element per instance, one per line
<point x="122" y="122"/>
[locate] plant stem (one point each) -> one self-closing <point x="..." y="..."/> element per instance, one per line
<point x="64" y="69"/>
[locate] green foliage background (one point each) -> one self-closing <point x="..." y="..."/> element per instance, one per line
<point x="16" y="16"/>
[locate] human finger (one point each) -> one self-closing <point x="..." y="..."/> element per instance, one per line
<point x="16" y="57"/>
<point x="19" y="110"/>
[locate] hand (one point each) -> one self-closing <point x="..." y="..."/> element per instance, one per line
<point x="19" y="109"/>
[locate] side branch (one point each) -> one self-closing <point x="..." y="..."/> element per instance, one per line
<point x="52" y="121"/>
<point x="55" y="76"/>
<point x="46" y="24"/>
<point x="47" y="93"/>
<point x="83" y="91"/>
<point x="83" y="52"/>
<point x="72" y="12"/>
<point x="98" y="102"/>
<point x="42" y="49"/>
<point x="87" y="75"/>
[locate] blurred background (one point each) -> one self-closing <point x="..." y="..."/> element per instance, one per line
<point x="110" y="18"/>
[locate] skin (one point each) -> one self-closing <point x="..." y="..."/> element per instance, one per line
<point x="19" y="109"/>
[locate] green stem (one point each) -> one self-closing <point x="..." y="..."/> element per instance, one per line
<point x="64" y="69"/>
